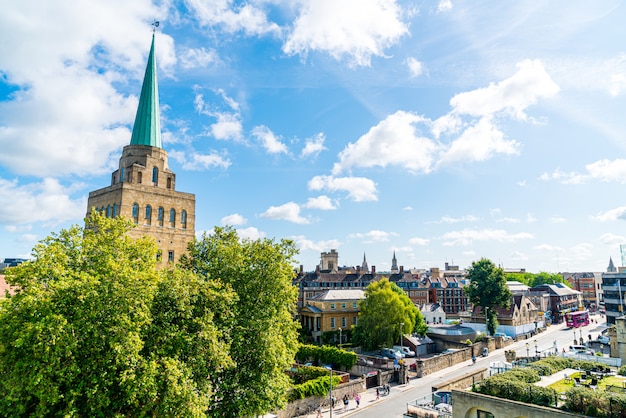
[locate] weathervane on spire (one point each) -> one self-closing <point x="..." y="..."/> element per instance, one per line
<point x="155" y="24"/>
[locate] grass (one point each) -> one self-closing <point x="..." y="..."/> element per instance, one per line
<point x="563" y="386"/>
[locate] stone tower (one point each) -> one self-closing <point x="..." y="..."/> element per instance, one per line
<point x="143" y="188"/>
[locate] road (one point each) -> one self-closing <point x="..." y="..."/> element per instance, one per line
<point x="394" y="405"/>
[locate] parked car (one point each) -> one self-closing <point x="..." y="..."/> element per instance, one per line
<point x="603" y="339"/>
<point x="503" y="335"/>
<point x="404" y="350"/>
<point x="576" y="350"/>
<point x="390" y="353"/>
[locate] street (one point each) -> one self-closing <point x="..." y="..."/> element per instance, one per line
<point x="394" y="405"/>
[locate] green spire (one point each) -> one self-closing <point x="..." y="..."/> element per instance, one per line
<point x="147" y="128"/>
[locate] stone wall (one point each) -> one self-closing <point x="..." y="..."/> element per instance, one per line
<point x="301" y="406"/>
<point x="467" y="404"/>
<point x="462" y="382"/>
<point x="431" y="365"/>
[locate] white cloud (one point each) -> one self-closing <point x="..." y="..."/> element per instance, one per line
<point x="234" y="219"/>
<point x="407" y="208"/>
<point x="290" y="211"/>
<point x="352" y="29"/>
<point x="450" y="220"/>
<point x="48" y="202"/>
<point x="548" y="248"/>
<point x="518" y="256"/>
<point x="468" y="236"/>
<point x="511" y="96"/>
<point x="359" y="189"/>
<point x="419" y="241"/>
<point x="314" y="146"/>
<point x="565" y="178"/>
<point x="250" y="233"/>
<point x="305" y="244"/>
<point x="233" y="18"/>
<point x="479" y="143"/>
<point x="558" y="220"/>
<point x="228" y="125"/>
<point x="416" y="68"/>
<point x="617" y="84"/>
<point x="612" y="240"/>
<point x="198" y="162"/>
<point x="321" y="203"/>
<point x="444" y="6"/>
<point x="607" y="170"/>
<point x="394" y="141"/>
<point x="197" y="58"/>
<point x="617" y="214"/>
<point x="268" y="140"/>
<point x="373" y="236"/>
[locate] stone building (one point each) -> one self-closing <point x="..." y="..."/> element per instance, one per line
<point x="331" y="310"/>
<point x="143" y="188"/>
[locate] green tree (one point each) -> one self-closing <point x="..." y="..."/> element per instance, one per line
<point x="487" y="288"/>
<point x="96" y="330"/>
<point x="264" y="335"/>
<point x="385" y="309"/>
<point x="536" y="279"/>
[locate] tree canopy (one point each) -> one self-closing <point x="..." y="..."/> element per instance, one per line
<point x="264" y="335"/>
<point x="488" y="289"/>
<point x="536" y="279"/>
<point x="95" y="329"/>
<point x="385" y="314"/>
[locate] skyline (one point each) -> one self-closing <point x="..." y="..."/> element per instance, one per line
<point x="445" y="131"/>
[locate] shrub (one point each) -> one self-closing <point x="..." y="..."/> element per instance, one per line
<point x="622" y="371"/>
<point x="327" y="355"/>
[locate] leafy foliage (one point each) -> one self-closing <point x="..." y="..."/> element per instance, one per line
<point x="264" y="336"/>
<point x="327" y="355"/>
<point x="517" y="385"/>
<point x="487" y="288"/>
<point x="536" y="279"/>
<point x="96" y="330"/>
<point x="594" y="403"/>
<point x="315" y="387"/>
<point x="382" y="312"/>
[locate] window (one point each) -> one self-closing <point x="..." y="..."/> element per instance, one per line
<point x="183" y="219"/>
<point x="139" y="177"/>
<point x="159" y="255"/>
<point x="170" y="256"/>
<point x="483" y="414"/>
<point x="108" y="211"/>
<point x="343" y="306"/>
<point x="135" y="213"/>
<point x="155" y="175"/>
<point x="343" y="322"/>
<point x="354" y="305"/>
<point x="148" y="215"/>
<point x="114" y="210"/>
<point x="332" y="323"/>
<point x="122" y="175"/>
<point x="354" y="320"/>
<point x="332" y="306"/>
<point x="172" y="217"/>
<point x="160" y="216"/>
<point x="169" y="182"/>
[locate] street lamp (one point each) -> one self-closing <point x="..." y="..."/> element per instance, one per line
<point x="527" y="350"/>
<point x="340" y="338"/>
<point x="536" y="351"/>
<point x="330" y="394"/>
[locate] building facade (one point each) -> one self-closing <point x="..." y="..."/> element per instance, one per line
<point x="331" y="310"/>
<point x="143" y="188"/>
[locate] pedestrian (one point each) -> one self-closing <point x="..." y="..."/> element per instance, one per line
<point x="346" y="400"/>
<point x="377" y="394"/>
<point x="319" y="411"/>
<point x="357" y="399"/>
<point x="332" y="402"/>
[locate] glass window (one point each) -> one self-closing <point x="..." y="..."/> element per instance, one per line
<point x="155" y="175"/>
<point x="160" y="216"/>
<point x="343" y="322"/>
<point x="183" y="219"/>
<point x="135" y="212"/>
<point x="148" y="214"/>
<point x="170" y="256"/>
<point x="332" y="322"/>
<point x="172" y="217"/>
<point x="332" y="306"/>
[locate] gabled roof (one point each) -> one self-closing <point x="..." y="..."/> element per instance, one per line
<point x="147" y="127"/>
<point x="345" y="294"/>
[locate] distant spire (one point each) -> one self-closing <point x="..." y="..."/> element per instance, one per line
<point x="147" y="127"/>
<point x="364" y="267"/>
<point x="611" y="268"/>
<point x="394" y="262"/>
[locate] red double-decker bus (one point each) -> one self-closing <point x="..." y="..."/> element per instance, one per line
<point x="577" y="319"/>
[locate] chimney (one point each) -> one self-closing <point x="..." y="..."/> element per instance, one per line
<point x="301" y="269"/>
<point x="358" y="269"/>
<point x="374" y="270"/>
<point x="401" y="269"/>
<point x="317" y="269"/>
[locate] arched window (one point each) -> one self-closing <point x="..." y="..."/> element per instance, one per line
<point x="183" y="219"/>
<point x="139" y="177"/>
<point x="148" y="215"/>
<point x="169" y="182"/>
<point x="135" y="213"/>
<point x="160" y="216"/>
<point x="108" y="211"/>
<point x="155" y="175"/>
<point x="172" y="217"/>
<point x="122" y="175"/>
<point x="114" y="210"/>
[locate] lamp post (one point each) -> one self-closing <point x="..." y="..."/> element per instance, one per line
<point x="527" y="350"/>
<point x="330" y="394"/>
<point x="340" y="340"/>
<point x="536" y="351"/>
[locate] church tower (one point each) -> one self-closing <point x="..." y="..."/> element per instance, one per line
<point x="143" y="188"/>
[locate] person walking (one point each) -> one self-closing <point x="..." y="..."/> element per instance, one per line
<point x="357" y="399"/>
<point x="346" y="400"/>
<point x="377" y="394"/>
<point x="319" y="411"/>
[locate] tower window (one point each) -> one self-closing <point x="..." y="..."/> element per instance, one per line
<point x="114" y="210"/>
<point x="135" y="213"/>
<point x="139" y="177"/>
<point x="172" y="217"/>
<point x="108" y="211"/>
<point x="170" y="256"/>
<point x="183" y="219"/>
<point x="122" y="175"/>
<point x="169" y="182"/>
<point x="160" y="216"/>
<point x="155" y="175"/>
<point x="148" y="215"/>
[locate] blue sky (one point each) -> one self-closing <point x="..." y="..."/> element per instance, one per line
<point x="444" y="131"/>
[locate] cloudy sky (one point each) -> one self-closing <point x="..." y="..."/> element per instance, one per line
<point x="444" y="131"/>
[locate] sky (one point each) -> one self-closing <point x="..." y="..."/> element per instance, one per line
<point x="443" y="131"/>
